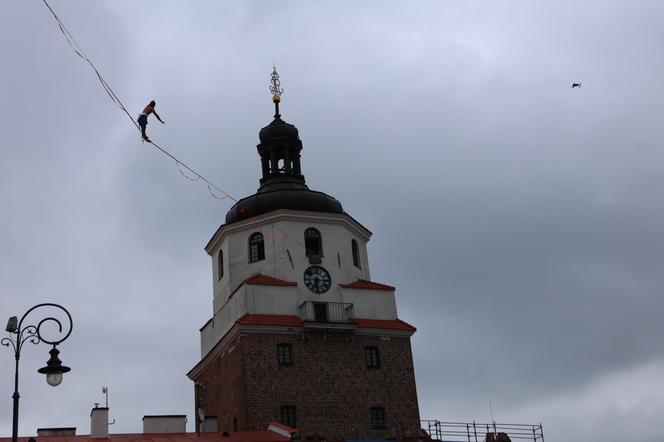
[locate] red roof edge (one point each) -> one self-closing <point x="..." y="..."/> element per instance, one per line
<point x="391" y="324"/>
<point x="259" y="279"/>
<point x="268" y="435"/>
<point x="281" y="428"/>
<point x="254" y="319"/>
<point x="364" y="284"/>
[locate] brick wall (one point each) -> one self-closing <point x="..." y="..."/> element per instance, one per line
<point x="224" y="388"/>
<point x="329" y="384"/>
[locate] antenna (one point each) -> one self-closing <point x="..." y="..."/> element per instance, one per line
<point x="104" y="390"/>
<point x="491" y="411"/>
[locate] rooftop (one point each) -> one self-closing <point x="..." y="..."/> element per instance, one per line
<point x="239" y="436"/>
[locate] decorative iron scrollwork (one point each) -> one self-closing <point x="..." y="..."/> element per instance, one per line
<point x="275" y="84"/>
<point x="33" y="334"/>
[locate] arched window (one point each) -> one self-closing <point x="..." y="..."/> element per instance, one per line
<point x="256" y="247"/>
<point x="220" y="265"/>
<point x="313" y="243"/>
<point x="356" y="254"/>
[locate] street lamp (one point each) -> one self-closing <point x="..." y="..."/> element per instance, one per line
<point x="54" y="369"/>
<point x="32" y="334"/>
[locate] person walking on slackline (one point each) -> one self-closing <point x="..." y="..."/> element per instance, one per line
<point x="143" y="118"/>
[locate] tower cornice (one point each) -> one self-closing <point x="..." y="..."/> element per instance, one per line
<point x="288" y="215"/>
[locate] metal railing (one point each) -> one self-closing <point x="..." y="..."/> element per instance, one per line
<point x="478" y="432"/>
<point x="339" y="312"/>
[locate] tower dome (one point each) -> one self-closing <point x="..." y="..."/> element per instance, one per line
<point x="282" y="185"/>
<point x="278" y="131"/>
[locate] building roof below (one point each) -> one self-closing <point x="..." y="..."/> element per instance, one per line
<point x="238" y="436"/>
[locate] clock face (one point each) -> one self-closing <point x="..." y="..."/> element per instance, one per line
<point x="317" y="279"/>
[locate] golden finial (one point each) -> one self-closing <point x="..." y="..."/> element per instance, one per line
<point x="275" y="86"/>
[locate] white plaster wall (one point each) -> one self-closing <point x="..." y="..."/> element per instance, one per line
<point x="283" y="233"/>
<point x="371" y="304"/>
<point x="209" y="337"/>
<point x="256" y="299"/>
<point x="223" y="320"/>
<point x="271" y="300"/>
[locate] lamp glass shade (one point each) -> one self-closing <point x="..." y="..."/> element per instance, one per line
<point x="54" y="368"/>
<point x="54" y="379"/>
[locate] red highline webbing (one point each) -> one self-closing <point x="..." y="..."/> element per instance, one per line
<point x="71" y="41"/>
<point x="113" y="96"/>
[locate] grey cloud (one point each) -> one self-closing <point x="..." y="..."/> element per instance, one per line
<point x="519" y="219"/>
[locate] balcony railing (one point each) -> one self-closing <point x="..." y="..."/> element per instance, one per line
<point x="481" y="432"/>
<point x="335" y="312"/>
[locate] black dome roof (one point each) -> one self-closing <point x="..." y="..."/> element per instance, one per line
<point x="278" y="130"/>
<point x="293" y="199"/>
<point x="282" y="185"/>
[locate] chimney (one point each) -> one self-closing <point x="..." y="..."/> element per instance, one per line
<point x="63" y="431"/>
<point x="166" y="423"/>
<point x="99" y="422"/>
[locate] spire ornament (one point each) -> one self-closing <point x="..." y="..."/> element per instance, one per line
<point x="275" y="88"/>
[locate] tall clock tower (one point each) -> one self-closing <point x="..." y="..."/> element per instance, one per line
<point x="300" y="334"/>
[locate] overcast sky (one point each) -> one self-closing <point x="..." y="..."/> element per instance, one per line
<point x="521" y="221"/>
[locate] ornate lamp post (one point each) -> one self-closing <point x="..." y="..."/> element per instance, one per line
<point x="20" y="334"/>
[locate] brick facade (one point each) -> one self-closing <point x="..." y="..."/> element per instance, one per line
<point x="328" y="383"/>
<point x="224" y="390"/>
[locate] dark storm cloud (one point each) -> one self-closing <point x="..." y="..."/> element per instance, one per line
<point x="519" y="219"/>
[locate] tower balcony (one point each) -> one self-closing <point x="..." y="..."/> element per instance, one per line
<point x="328" y="315"/>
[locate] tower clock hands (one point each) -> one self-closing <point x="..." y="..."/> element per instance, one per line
<point x="317" y="279"/>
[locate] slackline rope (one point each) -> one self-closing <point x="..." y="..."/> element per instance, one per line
<point x="73" y="44"/>
<point x="211" y="187"/>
